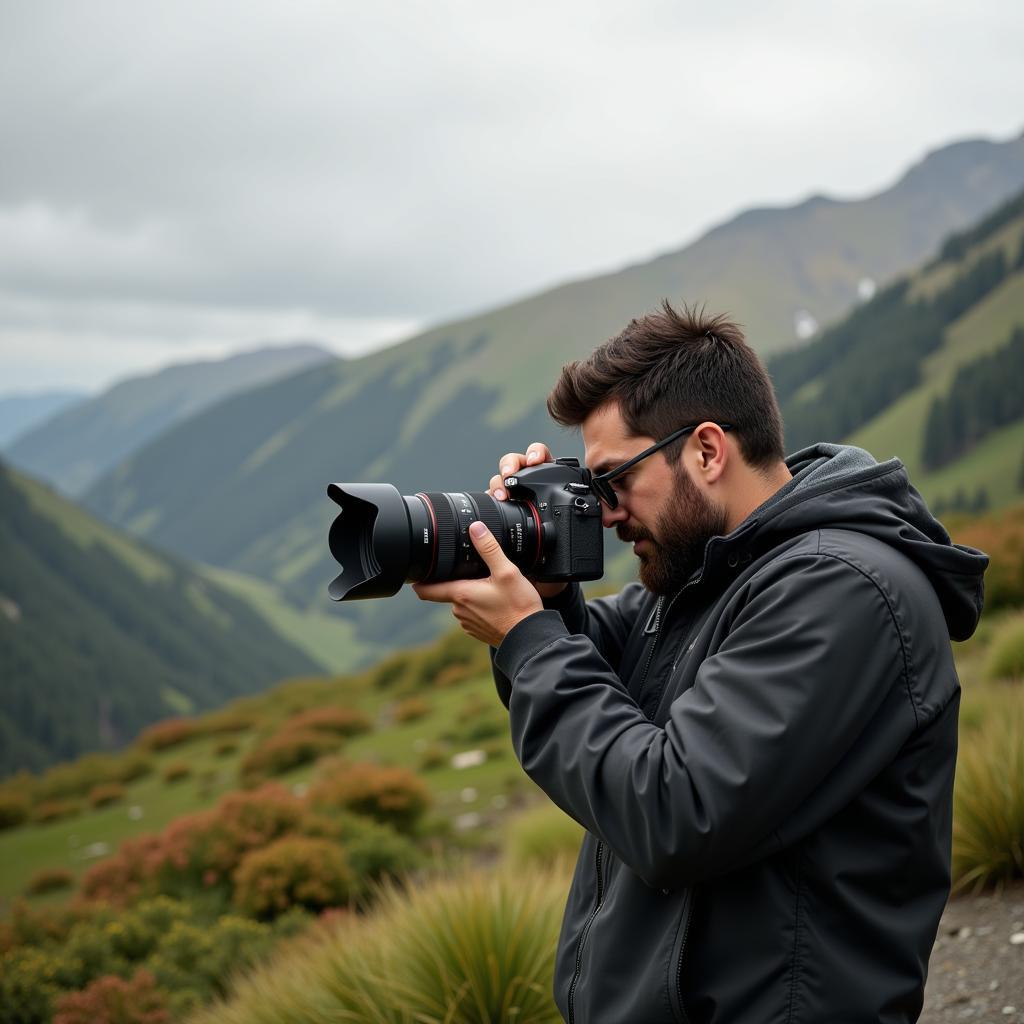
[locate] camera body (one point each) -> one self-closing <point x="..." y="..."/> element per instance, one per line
<point x="570" y="519"/>
<point x="550" y="528"/>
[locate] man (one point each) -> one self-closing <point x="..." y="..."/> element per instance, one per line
<point x="759" y="736"/>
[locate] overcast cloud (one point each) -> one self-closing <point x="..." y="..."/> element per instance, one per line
<point x="190" y="178"/>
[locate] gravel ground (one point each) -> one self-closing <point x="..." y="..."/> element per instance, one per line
<point x="976" y="971"/>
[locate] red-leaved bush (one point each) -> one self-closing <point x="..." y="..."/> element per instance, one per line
<point x="285" y="750"/>
<point x="393" y="795"/>
<point x="169" y="733"/>
<point x="197" y="850"/>
<point x="337" y="720"/>
<point x="112" y="1000"/>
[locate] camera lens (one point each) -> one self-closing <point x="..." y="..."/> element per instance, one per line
<point x="383" y="539"/>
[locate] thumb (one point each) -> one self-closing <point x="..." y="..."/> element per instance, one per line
<point x="488" y="547"/>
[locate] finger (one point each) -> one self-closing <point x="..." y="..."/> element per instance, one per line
<point x="537" y="453"/>
<point x="496" y="488"/>
<point x="510" y="463"/>
<point x="488" y="548"/>
<point x="444" y="593"/>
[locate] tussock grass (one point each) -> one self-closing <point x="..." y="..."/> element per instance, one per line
<point x="1006" y="655"/>
<point x="988" y="796"/>
<point x="465" y="949"/>
<point x="543" y="835"/>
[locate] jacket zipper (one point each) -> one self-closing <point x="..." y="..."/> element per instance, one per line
<point x="679" y="962"/>
<point x="586" y="928"/>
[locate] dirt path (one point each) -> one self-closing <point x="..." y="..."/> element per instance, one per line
<point x="976" y="971"/>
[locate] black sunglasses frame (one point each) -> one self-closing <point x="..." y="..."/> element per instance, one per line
<point x="599" y="484"/>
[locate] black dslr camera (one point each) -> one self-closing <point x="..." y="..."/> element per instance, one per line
<point x="550" y="528"/>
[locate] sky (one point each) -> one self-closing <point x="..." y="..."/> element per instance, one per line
<point x="184" y="180"/>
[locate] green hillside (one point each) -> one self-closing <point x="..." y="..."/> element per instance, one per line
<point x="100" y="635"/>
<point x="242" y="485"/>
<point x="941" y="345"/>
<point x="74" y="447"/>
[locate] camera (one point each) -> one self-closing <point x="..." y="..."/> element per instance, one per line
<point x="550" y="527"/>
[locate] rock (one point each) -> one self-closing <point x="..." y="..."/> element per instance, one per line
<point x="1017" y="939"/>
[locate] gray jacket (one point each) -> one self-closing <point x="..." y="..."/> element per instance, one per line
<point x="763" y="762"/>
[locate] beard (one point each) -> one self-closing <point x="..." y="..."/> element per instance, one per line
<point x="689" y="521"/>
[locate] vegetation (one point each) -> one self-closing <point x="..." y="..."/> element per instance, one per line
<point x="474" y="947"/>
<point x="985" y="396"/>
<point x="103" y="633"/>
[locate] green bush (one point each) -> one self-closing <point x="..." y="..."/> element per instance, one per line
<point x="27" y="986"/>
<point x="542" y="835"/>
<point x="225" y="748"/>
<point x="463" y="950"/>
<point x="375" y="851"/>
<point x="14" y="809"/>
<point x="292" y="871"/>
<point x="988" y="796"/>
<point x="1006" y="654"/>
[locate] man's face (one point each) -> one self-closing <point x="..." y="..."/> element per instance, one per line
<point x="661" y="510"/>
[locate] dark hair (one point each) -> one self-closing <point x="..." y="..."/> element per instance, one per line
<point x="674" y="367"/>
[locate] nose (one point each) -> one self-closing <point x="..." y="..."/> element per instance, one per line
<point x="611" y="516"/>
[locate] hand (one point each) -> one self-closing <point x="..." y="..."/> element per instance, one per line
<point x="509" y="465"/>
<point x="487" y="608"/>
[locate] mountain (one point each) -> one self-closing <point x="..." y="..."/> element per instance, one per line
<point x="76" y="446"/>
<point x="19" y="413"/>
<point x="100" y="635"/>
<point x="242" y="485"/>
<point x="929" y="370"/>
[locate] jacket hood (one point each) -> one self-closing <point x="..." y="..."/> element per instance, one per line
<point x="843" y="487"/>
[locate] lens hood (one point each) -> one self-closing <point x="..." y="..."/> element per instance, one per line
<point x="370" y="541"/>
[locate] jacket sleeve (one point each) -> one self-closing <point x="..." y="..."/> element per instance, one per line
<point x="607" y="621"/>
<point x="802" y="702"/>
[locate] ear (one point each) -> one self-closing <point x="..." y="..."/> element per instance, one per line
<point x="712" y="452"/>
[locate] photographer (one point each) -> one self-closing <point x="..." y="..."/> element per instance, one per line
<point x="759" y="736"/>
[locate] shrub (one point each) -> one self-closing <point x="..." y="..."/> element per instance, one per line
<point x="14" y="809"/>
<point x="229" y="720"/>
<point x="374" y="851"/>
<point x="335" y="720"/>
<point x="55" y="810"/>
<point x="435" y="756"/>
<point x="988" y="797"/>
<point x="392" y="795"/>
<point x="171" y="732"/>
<point x="1001" y="536"/>
<point x="78" y="777"/>
<point x="283" y="751"/>
<point x="472" y="948"/>
<point x="27" y="987"/>
<point x="391" y="671"/>
<point x="197" y="851"/>
<point x="176" y="771"/>
<point x="1006" y="655"/>
<point x="225" y="748"/>
<point x="49" y="880"/>
<point x="542" y="835"/>
<point x="106" y="793"/>
<point x="411" y="709"/>
<point x="292" y="871"/>
<point x="112" y="1000"/>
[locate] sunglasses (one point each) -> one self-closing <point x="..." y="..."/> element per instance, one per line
<point x="601" y="486"/>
